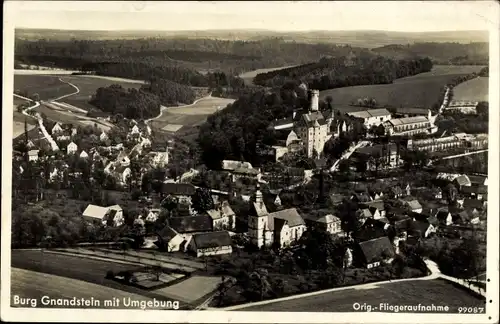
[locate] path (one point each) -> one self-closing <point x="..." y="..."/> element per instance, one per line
<point x="67" y="95"/>
<point x="347" y="154"/>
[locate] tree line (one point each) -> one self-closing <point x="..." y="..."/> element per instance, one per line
<point x="329" y="73"/>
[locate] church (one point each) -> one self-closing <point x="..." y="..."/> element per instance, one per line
<point x="280" y="228"/>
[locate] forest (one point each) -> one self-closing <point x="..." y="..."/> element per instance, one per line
<point x="440" y="53"/>
<point x="329" y="73"/>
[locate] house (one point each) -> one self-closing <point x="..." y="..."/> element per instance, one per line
<point x="478" y="180"/>
<point x="421" y="229"/>
<point x="84" y="155"/>
<point x="152" y="215"/>
<point x="370" y="230"/>
<point x="336" y="199"/>
<point x="475" y="191"/>
<point x="33" y="155"/>
<point x="361" y="197"/>
<point x="401" y="224"/>
<point x="376" y="157"/>
<point x="191" y="224"/>
<point x="375" y="252"/>
<point x="71" y="148"/>
<point x="395" y="192"/>
<point x="160" y="159"/>
<point x="135" y="130"/>
<point x="103" y="137"/>
<point x="437" y="193"/>
<point x="376" y="207"/>
<point x="223" y="217"/>
<point x="30" y="144"/>
<point x="411" y="204"/>
<point x="328" y="223"/>
<point x="280" y="228"/>
<point x="231" y="165"/>
<point x="474" y="205"/>
<point x="171" y="240"/>
<point x="372" y="117"/>
<point x="212" y="243"/>
<point x="462" y="181"/>
<point x="444" y="217"/>
<point x="57" y="129"/>
<point x="363" y="214"/>
<point x="108" y="216"/>
<point x="122" y="174"/>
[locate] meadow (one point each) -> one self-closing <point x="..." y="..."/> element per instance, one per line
<point x="475" y="90"/>
<point x="438" y="292"/>
<point x="419" y="91"/>
<point x="173" y="119"/>
<point x="47" y="86"/>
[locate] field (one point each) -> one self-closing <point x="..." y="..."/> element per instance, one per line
<point x="173" y="119"/>
<point x="88" y="86"/>
<point x="191" y="289"/>
<point x="438" y="292"/>
<point x="475" y="90"/>
<point x="421" y="90"/>
<point x="47" y="86"/>
<point x="30" y="284"/>
<point x="250" y="75"/>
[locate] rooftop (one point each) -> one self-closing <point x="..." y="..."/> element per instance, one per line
<point x="212" y="239"/>
<point x="408" y="120"/>
<point x="370" y="113"/>
<point x="374" y="249"/>
<point x="190" y="224"/>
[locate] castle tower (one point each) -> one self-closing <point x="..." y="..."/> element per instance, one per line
<point x="314" y="100"/>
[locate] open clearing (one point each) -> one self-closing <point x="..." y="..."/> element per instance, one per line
<point x="30" y="284"/>
<point x="437" y="292"/>
<point x="173" y="119"/>
<point x="47" y="86"/>
<point x="475" y="90"/>
<point x="88" y="86"/>
<point x="75" y="267"/>
<point x="419" y="91"/>
<point x="250" y="75"/>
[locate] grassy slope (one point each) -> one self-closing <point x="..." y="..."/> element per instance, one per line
<point x="47" y="86"/>
<point x="476" y="89"/>
<point x="30" y="284"/>
<point x="416" y="91"/>
<point x="437" y="292"/>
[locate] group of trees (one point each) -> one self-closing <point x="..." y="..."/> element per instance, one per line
<point x="329" y="73"/>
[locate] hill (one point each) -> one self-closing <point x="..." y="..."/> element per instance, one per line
<point x="362" y="38"/>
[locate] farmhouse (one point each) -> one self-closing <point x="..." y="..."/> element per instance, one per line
<point x="223" y="217"/>
<point x="213" y="243"/>
<point x="375" y="252"/>
<point x="372" y="117"/>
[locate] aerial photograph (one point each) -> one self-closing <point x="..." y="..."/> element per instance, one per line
<point x="244" y="168"/>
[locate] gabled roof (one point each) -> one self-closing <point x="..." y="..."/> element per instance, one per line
<point x="365" y="213"/>
<point x="378" y="204"/>
<point x="309" y="119"/>
<point x="477" y="179"/>
<point x="184" y="189"/>
<point x="212" y="239"/>
<point x="226" y="209"/>
<point x="214" y="214"/>
<point x="189" y="224"/>
<point x="291" y="215"/>
<point x="336" y="198"/>
<point x="475" y="189"/>
<point x="462" y="180"/>
<point x="370" y="113"/>
<point x="473" y="203"/>
<point x="419" y="227"/>
<point x="374" y="249"/>
<point x="408" y="120"/>
<point x="95" y="211"/>
<point x="326" y="219"/>
<point x="442" y="215"/>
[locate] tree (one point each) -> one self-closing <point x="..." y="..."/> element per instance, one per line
<point x="202" y="200"/>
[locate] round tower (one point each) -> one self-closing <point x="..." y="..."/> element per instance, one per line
<point x="314" y="100"/>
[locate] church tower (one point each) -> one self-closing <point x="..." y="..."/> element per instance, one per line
<point x="258" y="229"/>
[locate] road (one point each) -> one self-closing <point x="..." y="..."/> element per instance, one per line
<point x="396" y="292"/>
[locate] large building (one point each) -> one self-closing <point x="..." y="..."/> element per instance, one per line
<point x="410" y="126"/>
<point x="465" y="107"/>
<point x="311" y="129"/>
<point x="460" y="140"/>
<point x="372" y="117"/>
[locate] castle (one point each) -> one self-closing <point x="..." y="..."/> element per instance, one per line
<point x="312" y="129"/>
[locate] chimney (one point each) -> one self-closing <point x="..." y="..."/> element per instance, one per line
<point x="314" y="100"/>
